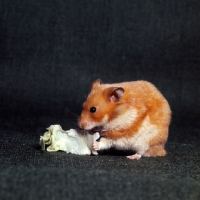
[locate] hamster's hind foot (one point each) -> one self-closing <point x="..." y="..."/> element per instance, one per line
<point x="134" y="157"/>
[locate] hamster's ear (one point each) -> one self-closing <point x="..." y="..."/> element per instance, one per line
<point x="116" y="94"/>
<point x="96" y="83"/>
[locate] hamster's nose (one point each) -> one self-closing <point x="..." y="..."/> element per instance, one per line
<point x="82" y="123"/>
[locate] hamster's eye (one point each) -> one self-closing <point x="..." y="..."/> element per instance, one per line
<point x="92" y="109"/>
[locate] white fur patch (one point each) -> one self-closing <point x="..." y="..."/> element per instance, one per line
<point x="122" y="121"/>
<point x="140" y="141"/>
<point x="91" y="125"/>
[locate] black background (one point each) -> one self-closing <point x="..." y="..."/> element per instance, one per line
<point x="50" y="53"/>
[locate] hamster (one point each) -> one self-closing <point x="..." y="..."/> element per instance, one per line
<point x="129" y="116"/>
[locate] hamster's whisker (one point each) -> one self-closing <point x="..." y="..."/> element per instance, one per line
<point x="72" y="113"/>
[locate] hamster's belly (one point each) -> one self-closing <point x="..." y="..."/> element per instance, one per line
<point x="140" y="140"/>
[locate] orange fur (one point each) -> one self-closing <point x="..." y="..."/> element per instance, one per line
<point x="135" y="113"/>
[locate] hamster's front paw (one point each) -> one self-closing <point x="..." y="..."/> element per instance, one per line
<point x="95" y="146"/>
